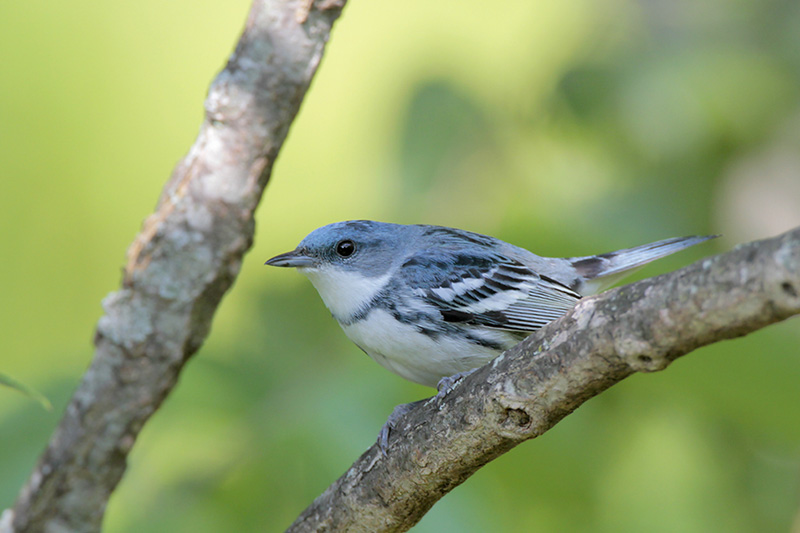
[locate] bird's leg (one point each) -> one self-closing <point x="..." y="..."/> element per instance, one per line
<point x="391" y="422"/>
<point x="443" y="388"/>
<point x="447" y="383"/>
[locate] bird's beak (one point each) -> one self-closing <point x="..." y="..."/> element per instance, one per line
<point x="295" y="259"/>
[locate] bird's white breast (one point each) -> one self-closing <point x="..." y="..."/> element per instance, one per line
<point x="344" y="292"/>
<point x="398" y="346"/>
<point x="418" y="357"/>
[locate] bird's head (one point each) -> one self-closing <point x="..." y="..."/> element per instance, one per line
<point x="364" y="246"/>
<point x="347" y="261"/>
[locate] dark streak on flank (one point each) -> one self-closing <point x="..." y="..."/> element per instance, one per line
<point x="492" y="345"/>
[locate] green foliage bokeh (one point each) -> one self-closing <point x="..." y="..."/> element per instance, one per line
<point x="569" y="127"/>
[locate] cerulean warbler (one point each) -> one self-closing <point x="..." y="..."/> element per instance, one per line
<point x="430" y="302"/>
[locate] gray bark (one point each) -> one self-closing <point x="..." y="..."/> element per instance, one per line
<point x="180" y="265"/>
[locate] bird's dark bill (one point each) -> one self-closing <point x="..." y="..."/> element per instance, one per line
<point x="291" y="259"/>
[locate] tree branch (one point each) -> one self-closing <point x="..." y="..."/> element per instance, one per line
<point x="180" y="265"/>
<point x="641" y="327"/>
<point x="190" y="250"/>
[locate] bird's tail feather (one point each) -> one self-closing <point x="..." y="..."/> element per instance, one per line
<point x="602" y="271"/>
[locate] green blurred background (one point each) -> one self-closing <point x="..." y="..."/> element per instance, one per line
<point x="568" y="127"/>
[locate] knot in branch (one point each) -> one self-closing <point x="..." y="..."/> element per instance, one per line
<point x="640" y="355"/>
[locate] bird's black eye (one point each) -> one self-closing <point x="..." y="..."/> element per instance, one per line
<point x="345" y="248"/>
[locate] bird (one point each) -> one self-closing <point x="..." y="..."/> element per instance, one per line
<point x="433" y="303"/>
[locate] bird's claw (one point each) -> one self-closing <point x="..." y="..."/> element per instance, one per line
<point x="391" y="423"/>
<point x="448" y="383"/>
<point x="445" y="385"/>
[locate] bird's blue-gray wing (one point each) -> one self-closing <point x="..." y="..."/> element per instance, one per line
<point x="485" y="288"/>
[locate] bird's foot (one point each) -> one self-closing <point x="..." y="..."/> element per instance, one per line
<point x="445" y="385"/>
<point x="391" y="422"/>
<point x="448" y="383"/>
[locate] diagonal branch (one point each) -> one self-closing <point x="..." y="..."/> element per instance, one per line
<point x="179" y="267"/>
<point x="641" y="327"/>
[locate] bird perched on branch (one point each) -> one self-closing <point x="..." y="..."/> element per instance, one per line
<point x="430" y="302"/>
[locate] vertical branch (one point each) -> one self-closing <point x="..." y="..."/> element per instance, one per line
<point x="181" y="264"/>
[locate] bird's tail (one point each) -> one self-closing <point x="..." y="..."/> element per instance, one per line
<point x="602" y="271"/>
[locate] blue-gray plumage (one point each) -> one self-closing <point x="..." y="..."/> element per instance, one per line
<point x="429" y="302"/>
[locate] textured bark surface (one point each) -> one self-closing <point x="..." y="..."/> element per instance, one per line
<point x="641" y="327"/>
<point x="180" y="265"/>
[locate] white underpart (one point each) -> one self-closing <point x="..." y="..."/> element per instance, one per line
<point x="415" y="356"/>
<point x="400" y="347"/>
<point x="344" y="292"/>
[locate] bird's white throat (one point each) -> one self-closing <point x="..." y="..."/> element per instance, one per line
<point x="344" y="292"/>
